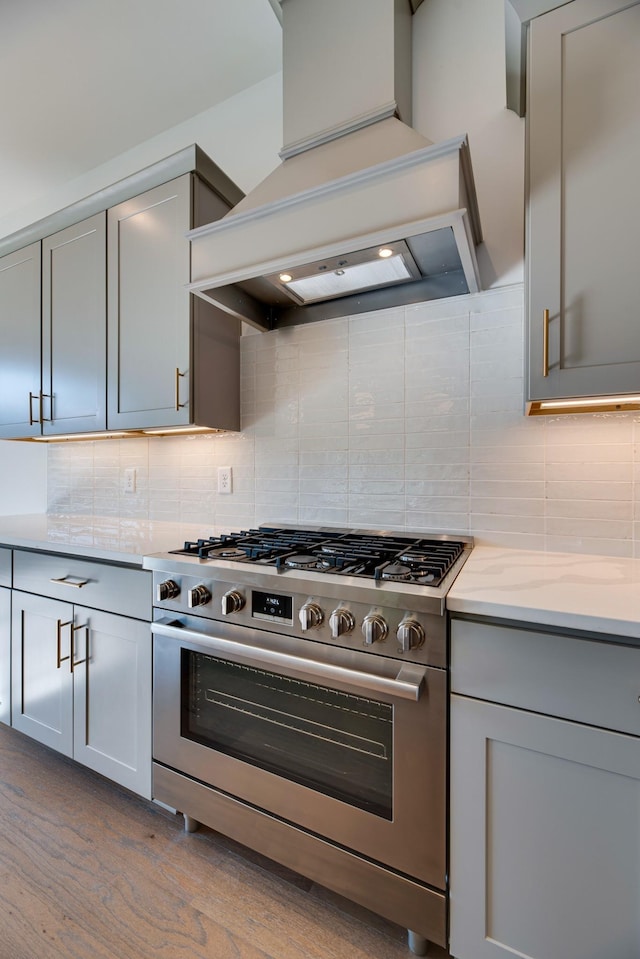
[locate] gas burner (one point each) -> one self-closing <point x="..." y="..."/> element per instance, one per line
<point x="398" y="572"/>
<point x="424" y="578"/>
<point x="226" y="552"/>
<point x="430" y="554"/>
<point x="301" y="561"/>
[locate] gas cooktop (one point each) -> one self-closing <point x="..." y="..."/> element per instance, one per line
<point x="371" y="555"/>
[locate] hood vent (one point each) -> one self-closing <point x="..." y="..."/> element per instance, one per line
<point x="363" y="213"/>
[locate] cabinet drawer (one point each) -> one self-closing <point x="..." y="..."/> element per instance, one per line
<point x="115" y="589"/>
<point x="573" y="678"/>
<point x="5" y="567"/>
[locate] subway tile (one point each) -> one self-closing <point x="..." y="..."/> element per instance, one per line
<point x="507" y="506"/>
<point x="507" y="523"/>
<point x="319" y="515"/>
<point x="505" y="488"/>
<point x="325" y="500"/>
<point x="439" y="522"/>
<point x="436" y="487"/>
<point x="512" y="540"/>
<point x="376" y="517"/>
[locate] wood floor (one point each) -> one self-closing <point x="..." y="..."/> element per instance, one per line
<point x="88" y="871"/>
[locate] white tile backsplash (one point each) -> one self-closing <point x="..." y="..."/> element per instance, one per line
<point x="407" y="419"/>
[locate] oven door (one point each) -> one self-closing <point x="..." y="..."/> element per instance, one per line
<point x="348" y="745"/>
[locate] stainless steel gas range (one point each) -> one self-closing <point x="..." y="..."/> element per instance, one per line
<point x="300" y="705"/>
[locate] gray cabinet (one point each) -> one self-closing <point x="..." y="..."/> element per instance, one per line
<point x="53" y="331"/>
<point x="169" y="360"/>
<point x="5" y="656"/>
<point x="5" y="636"/>
<point x="173" y="358"/>
<point x="545" y="796"/>
<point x="583" y="144"/>
<point x="20" y="377"/>
<point x="74" y="330"/>
<point x="81" y="677"/>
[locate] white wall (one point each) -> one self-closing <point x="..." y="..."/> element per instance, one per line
<point x="243" y="136"/>
<point x="23" y="478"/>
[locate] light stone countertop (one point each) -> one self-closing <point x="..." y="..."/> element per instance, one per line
<point x="566" y="590"/>
<point x="107" y="538"/>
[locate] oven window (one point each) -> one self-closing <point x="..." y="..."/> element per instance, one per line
<point x="333" y="742"/>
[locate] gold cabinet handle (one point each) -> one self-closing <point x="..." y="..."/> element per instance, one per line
<point x="59" y="627"/>
<point x="179" y="405"/>
<point x="65" y="581"/>
<point x="78" y="662"/>
<point x="545" y="342"/>
<point x="32" y="397"/>
<point x="41" y="418"/>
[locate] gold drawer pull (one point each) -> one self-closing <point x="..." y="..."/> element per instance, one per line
<point x="66" y="581"/>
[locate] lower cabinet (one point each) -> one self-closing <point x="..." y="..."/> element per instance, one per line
<point x="5" y="656"/>
<point x="81" y="684"/>
<point x="545" y="811"/>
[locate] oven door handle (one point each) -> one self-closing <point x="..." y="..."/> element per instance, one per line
<point x="407" y="683"/>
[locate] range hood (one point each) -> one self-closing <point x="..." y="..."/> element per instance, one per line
<point x="363" y="213"/>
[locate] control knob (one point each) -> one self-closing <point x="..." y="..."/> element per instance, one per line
<point x="232" y="602"/>
<point x="374" y="629"/>
<point x="198" y="596"/>
<point x="310" y="616"/>
<point x="341" y="621"/>
<point x="167" y="590"/>
<point x="410" y="635"/>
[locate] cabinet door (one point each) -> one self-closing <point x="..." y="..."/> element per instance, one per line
<point x="41" y="677"/>
<point x="112" y="697"/>
<point x="584" y="203"/>
<point x="20" y="343"/>
<point x="545" y="837"/>
<point x="149" y="310"/>
<point x="5" y="656"/>
<point x="74" y="328"/>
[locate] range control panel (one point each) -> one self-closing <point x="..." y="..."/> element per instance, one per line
<point x="390" y="631"/>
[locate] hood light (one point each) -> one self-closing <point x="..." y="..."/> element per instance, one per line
<point x="341" y="276"/>
<point x="350" y="279"/>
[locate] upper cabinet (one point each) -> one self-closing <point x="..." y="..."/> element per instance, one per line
<point x="583" y="205"/>
<point x="173" y="360"/>
<point x="98" y="330"/>
<point x="74" y="329"/>
<point x="20" y="374"/>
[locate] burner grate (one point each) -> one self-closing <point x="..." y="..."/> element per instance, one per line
<point x="374" y="556"/>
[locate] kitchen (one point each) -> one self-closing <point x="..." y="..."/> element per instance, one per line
<point x="407" y="419"/>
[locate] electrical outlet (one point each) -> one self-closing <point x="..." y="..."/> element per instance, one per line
<point x="225" y="479"/>
<point x="129" y="481"/>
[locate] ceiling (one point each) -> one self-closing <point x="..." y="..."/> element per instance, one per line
<point x="85" y="80"/>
